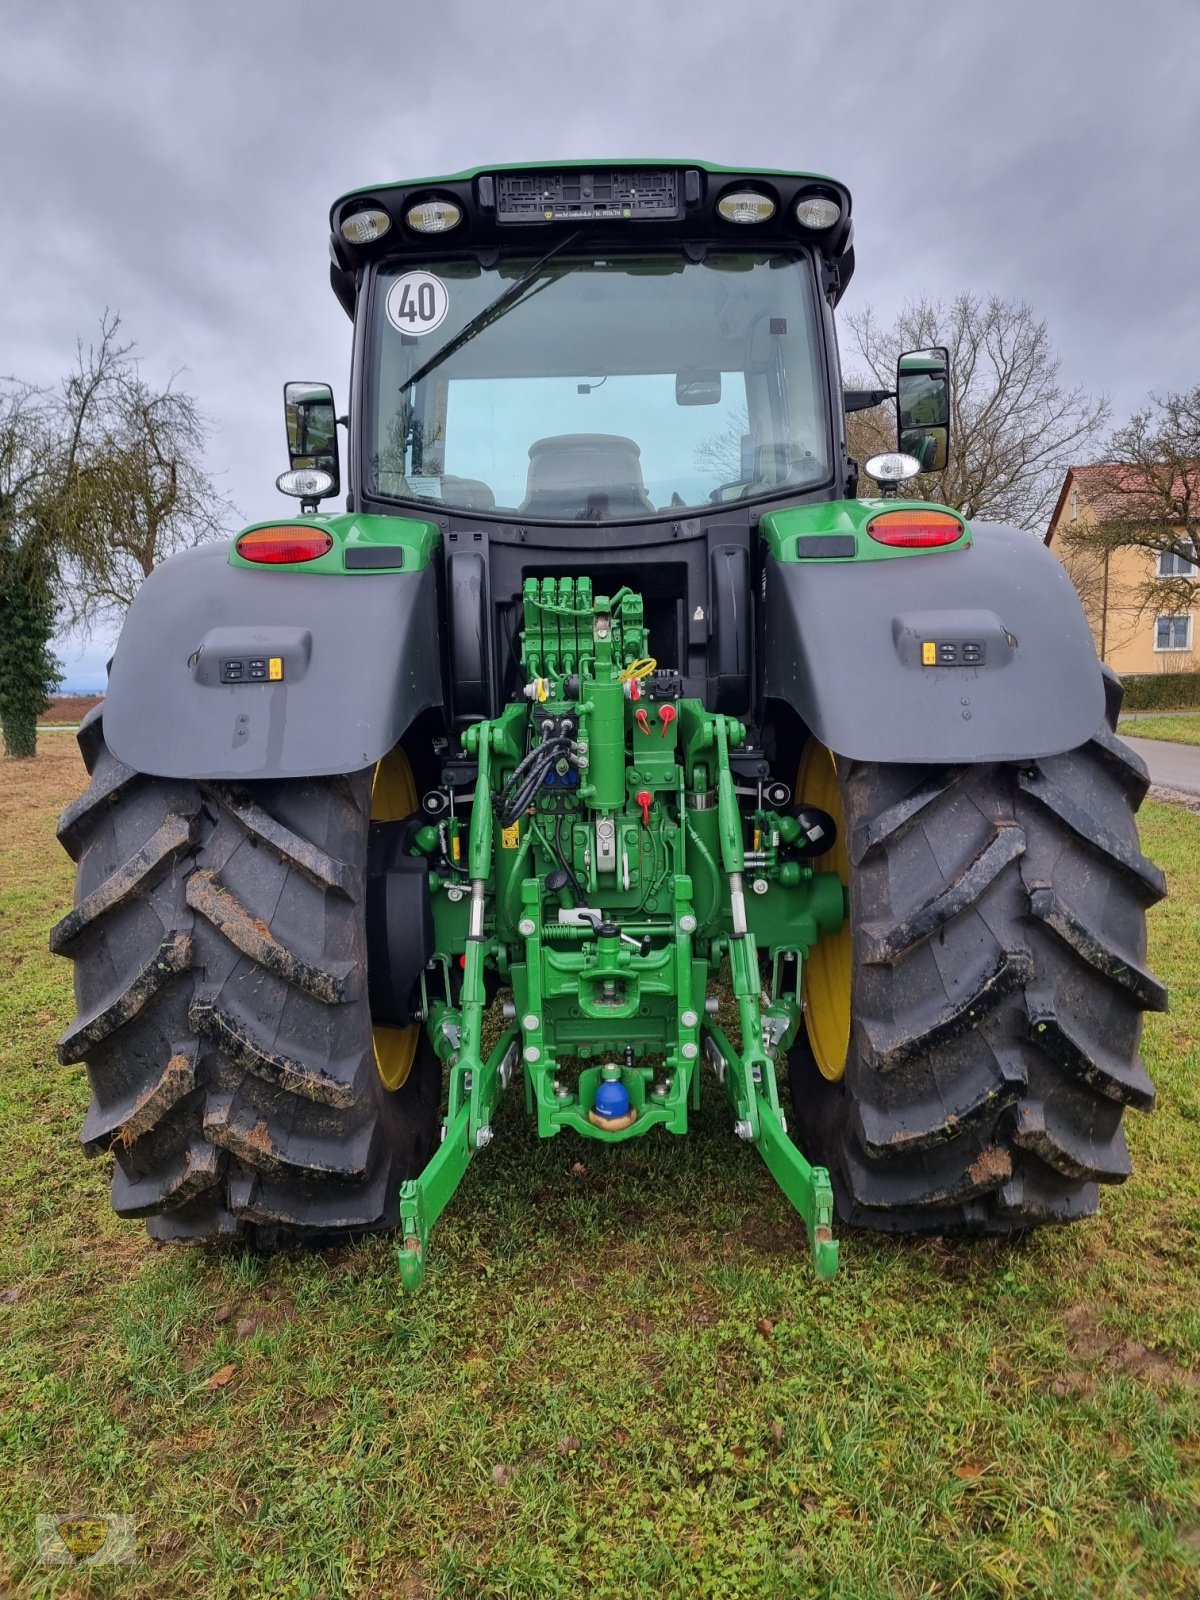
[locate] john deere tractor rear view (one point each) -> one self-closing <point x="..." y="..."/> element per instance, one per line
<point x="606" y="750"/>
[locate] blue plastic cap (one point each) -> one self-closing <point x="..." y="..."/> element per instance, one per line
<point x="612" y="1100"/>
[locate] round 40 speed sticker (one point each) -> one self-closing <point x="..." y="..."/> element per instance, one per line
<point x="417" y="303"/>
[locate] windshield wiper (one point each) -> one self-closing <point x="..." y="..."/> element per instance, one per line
<point x="492" y="312"/>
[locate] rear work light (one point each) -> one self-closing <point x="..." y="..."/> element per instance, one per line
<point x="276" y="545"/>
<point x="433" y="216"/>
<point x="817" y="211"/>
<point x="305" y="483"/>
<point x="366" y="225"/>
<point x="746" y="205"/>
<point x="915" y="530"/>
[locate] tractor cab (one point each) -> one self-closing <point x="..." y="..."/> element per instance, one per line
<point x="595" y="387"/>
<point x="599" y="345"/>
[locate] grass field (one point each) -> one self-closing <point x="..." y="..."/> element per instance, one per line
<point x="1179" y="730"/>
<point x="621" y="1377"/>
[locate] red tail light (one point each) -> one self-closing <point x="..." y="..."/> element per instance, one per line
<point x="915" y="530"/>
<point x="275" y="545"/>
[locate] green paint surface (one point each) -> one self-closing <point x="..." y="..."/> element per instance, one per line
<point x="786" y="531"/>
<point x="350" y="531"/>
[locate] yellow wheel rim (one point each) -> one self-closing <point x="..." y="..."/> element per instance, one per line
<point x="394" y="797"/>
<point x="825" y="985"/>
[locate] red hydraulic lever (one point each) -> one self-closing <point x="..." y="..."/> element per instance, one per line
<point x="642" y="720"/>
<point x="643" y="799"/>
<point x="666" y="717"/>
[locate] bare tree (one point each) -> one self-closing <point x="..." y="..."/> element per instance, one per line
<point x="1015" y="427"/>
<point x="99" y="482"/>
<point x="127" y="487"/>
<point x="23" y="426"/>
<point x="719" y="454"/>
<point x="1146" y="496"/>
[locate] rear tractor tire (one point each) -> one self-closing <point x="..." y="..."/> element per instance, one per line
<point x="971" y="1045"/>
<point x="220" y="955"/>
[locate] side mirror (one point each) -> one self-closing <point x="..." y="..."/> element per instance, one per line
<point x="311" y="419"/>
<point x="697" y="388"/>
<point x="923" y="407"/>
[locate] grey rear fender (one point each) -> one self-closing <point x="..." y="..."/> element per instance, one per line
<point x="845" y="645"/>
<point x="357" y="658"/>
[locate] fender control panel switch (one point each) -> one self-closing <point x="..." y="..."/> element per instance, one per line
<point x="252" y="669"/>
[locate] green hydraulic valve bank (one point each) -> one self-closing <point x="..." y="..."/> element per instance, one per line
<point x="605" y="866"/>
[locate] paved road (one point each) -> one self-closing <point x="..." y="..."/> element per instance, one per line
<point x="1175" y="766"/>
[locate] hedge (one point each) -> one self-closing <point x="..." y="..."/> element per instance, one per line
<point x="1162" y="691"/>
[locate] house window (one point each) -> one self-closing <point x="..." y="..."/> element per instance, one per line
<point x="1074" y="505"/>
<point x="1173" y="633"/>
<point x="1171" y="565"/>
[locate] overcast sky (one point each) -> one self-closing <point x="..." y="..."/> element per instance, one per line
<point x="176" y="159"/>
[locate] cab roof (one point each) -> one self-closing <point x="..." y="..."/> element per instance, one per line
<point x="638" y="205"/>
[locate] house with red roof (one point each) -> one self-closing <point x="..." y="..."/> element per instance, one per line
<point x="1140" y="620"/>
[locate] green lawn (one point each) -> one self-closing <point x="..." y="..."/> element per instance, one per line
<point x="620" y="1379"/>
<point x="1179" y="730"/>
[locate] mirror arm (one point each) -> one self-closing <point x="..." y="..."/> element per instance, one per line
<point x="864" y="399"/>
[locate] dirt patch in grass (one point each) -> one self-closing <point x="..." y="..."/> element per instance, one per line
<point x="772" y="1238"/>
<point x="1089" y="1339"/>
<point x="1175" y="797"/>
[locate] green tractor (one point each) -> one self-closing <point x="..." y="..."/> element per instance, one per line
<point x="605" y="748"/>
